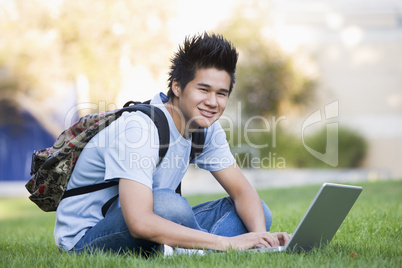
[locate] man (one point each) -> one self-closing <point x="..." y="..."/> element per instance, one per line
<point x="148" y="211"/>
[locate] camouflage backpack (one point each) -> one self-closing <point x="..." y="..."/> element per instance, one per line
<point x="52" y="167"/>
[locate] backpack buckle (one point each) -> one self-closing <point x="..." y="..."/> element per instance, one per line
<point x="33" y="163"/>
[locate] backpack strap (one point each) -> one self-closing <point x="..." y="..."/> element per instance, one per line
<point x="107" y="205"/>
<point x="197" y="146"/>
<point x="88" y="189"/>
<point x="127" y="104"/>
<point x="162" y="125"/>
<point x="197" y="143"/>
<point x="160" y="120"/>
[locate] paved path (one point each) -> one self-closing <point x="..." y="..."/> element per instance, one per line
<point x="200" y="181"/>
<point x="197" y="181"/>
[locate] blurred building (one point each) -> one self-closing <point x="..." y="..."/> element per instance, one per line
<point x="357" y="48"/>
<point x="26" y="126"/>
<point x="20" y="134"/>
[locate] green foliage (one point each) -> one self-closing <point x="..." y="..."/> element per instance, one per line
<point x="352" y="149"/>
<point x="46" y="44"/>
<point x="267" y="80"/>
<point x="370" y="236"/>
<point x="271" y="84"/>
<point x="281" y="149"/>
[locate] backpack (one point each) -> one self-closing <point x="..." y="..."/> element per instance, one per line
<point x="52" y="167"/>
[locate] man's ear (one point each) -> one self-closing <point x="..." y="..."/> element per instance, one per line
<point x="176" y="88"/>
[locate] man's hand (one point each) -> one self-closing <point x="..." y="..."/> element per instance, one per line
<point x="282" y="237"/>
<point x="144" y="224"/>
<point x="256" y="240"/>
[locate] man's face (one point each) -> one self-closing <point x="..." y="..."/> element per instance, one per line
<point x="204" y="99"/>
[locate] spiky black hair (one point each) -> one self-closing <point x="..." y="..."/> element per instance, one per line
<point x="200" y="52"/>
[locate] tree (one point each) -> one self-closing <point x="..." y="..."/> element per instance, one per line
<point x="267" y="78"/>
<point x="48" y="43"/>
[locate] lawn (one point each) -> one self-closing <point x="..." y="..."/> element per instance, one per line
<point x="370" y="236"/>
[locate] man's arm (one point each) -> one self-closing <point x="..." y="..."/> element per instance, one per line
<point x="137" y="206"/>
<point x="247" y="202"/>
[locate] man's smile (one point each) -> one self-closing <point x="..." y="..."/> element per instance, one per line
<point x="207" y="113"/>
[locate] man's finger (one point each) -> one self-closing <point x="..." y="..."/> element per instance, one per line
<point x="272" y="240"/>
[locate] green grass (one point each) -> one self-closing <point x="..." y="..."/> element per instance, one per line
<point x="370" y="236"/>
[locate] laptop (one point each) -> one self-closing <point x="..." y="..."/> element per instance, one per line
<point x="322" y="219"/>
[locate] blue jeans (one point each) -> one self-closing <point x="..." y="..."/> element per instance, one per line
<point x="217" y="217"/>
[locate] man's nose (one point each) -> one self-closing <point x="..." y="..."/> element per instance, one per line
<point x="211" y="100"/>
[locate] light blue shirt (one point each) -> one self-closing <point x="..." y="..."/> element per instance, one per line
<point x="129" y="149"/>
